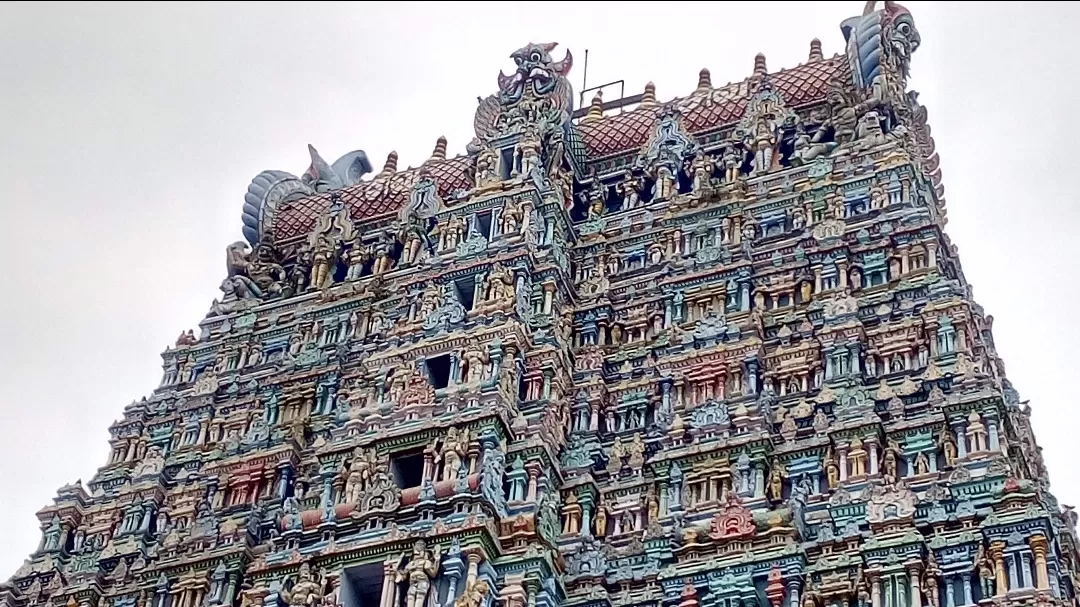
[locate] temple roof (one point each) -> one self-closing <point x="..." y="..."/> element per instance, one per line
<point x="710" y="110"/>
<point x="379" y="197"/>
<point x="703" y="111"/>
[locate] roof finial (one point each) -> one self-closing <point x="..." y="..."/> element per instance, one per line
<point x="815" y="50"/>
<point x="439" y="153"/>
<point x="648" y="98"/>
<point x="390" y="167"/>
<point x="596" y="108"/>
<point x="704" y="81"/>
<point x="759" y="65"/>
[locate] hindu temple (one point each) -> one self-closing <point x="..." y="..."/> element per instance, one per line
<point x="709" y="350"/>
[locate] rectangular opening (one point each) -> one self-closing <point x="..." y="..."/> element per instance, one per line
<point x="483" y="224"/>
<point x="408" y="469"/>
<point x="362" y="586"/>
<point x="506" y="164"/>
<point x="466" y="290"/>
<point x="439" y="371"/>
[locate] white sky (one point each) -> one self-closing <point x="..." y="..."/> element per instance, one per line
<point x="130" y="133"/>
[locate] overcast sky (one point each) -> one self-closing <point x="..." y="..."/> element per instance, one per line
<point x="130" y="133"/>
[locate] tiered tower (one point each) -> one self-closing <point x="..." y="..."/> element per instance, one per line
<point x="711" y="352"/>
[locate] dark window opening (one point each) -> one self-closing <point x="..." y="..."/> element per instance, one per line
<point x="686" y="183"/>
<point x="612" y="201"/>
<point x="439" y="371"/>
<point x="341" y="270"/>
<point x="466" y="291"/>
<point x="506" y="163"/>
<point x="787" y="147"/>
<point x="362" y="586"/>
<point x="483" y="224"/>
<point x="646" y="195"/>
<point x="408" y="469"/>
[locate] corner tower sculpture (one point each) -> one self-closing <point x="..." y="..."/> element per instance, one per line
<point x="711" y="352"/>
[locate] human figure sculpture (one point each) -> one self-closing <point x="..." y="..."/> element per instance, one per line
<point x="454" y="449"/>
<point x="419" y="572"/>
<point x="732" y="160"/>
<point x="600" y="521"/>
<point x="510" y="219"/>
<point x="948" y="447"/>
<point x="306" y="592"/>
<point x="629" y="189"/>
<point x="665" y="183"/>
<point x="322" y="262"/>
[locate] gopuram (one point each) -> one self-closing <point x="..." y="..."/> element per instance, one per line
<point x="715" y="351"/>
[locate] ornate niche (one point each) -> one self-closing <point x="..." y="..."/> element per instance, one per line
<point x="670" y="147"/>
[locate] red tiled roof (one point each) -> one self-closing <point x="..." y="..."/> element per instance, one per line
<point x="630" y="130"/>
<point x="374" y="198"/>
<point x="609" y="135"/>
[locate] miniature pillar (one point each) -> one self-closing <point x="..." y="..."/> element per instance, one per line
<point x="967" y="589"/>
<point x="389" y="586"/>
<point x="992" y="429"/>
<point x="843" y="465"/>
<point x="1039" y="548"/>
<point x="793" y="593"/>
<point x="549" y="292"/>
<point x="1000" y="576"/>
<point x="913" y="587"/>
<point x="875" y="591"/>
<point x="950" y="599"/>
<point x="871" y="447"/>
<point x="961" y="442"/>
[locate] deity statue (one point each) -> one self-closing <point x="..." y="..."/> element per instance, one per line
<point x="832" y="470"/>
<point x="889" y="462"/>
<point x="419" y="572"/>
<point x="324" y="256"/>
<point x="359" y="474"/>
<point x="500" y="284"/>
<point x="487" y="170"/>
<point x="306" y="592"/>
<point x="701" y="169"/>
<point x="732" y="161"/>
<point x="777" y="474"/>
<point x="948" y="447"/>
<point x="665" y="182"/>
<point x="600" y="521"/>
<point x="476" y="360"/>
<point x="474" y="595"/>
<point x="629" y="188"/>
<point x="922" y="464"/>
<point x="454" y="449"/>
<point x="528" y="152"/>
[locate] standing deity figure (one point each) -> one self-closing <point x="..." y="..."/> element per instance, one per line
<point x="306" y="592"/>
<point x="776" y="482"/>
<point x="510" y="219"/>
<point x="600" y="521"/>
<point x="455" y="233"/>
<point x="419" y="572"/>
<point x="322" y="266"/>
<point x="487" y="170"/>
<point x="359" y="475"/>
<point x="454" y="449"/>
<point x="762" y="140"/>
<point x="475" y="362"/>
<point x="948" y="447"/>
<point x="665" y="183"/>
<point x="500" y="284"/>
<point x="889" y="462"/>
<point x="732" y="161"/>
<point x="629" y="189"/>
<point x="832" y="470"/>
<point x="528" y="152"/>
<point x="701" y="169"/>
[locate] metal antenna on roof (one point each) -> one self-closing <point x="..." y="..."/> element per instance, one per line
<point x="584" y="79"/>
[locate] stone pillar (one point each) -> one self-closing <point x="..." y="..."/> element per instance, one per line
<point x="961" y="441"/>
<point x="1025" y="570"/>
<point x="843" y="465"/>
<point x="230" y="590"/>
<point x="871" y="447"/>
<point x="967" y="589"/>
<point x="1039" y="548"/>
<point x="793" y="593"/>
<point x="389" y="587"/>
<point x="992" y="431"/>
<point x="1002" y="581"/>
<point x="950" y="599"/>
<point x="549" y="293"/>
<point x="875" y="591"/>
<point x="533" y="468"/>
<point x="913" y="587"/>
